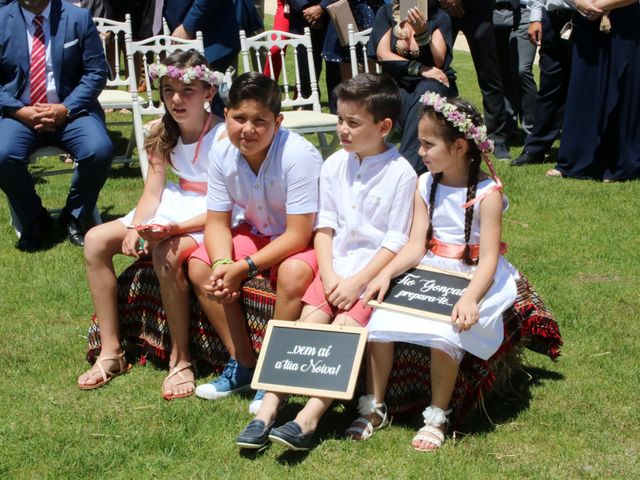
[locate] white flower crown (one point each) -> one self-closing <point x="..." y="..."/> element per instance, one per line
<point x="476" y="133"/>
<point x="186" y="75"/>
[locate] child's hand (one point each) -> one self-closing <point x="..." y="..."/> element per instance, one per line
<point x="330" y="281"/>
<point x="345" y="293"/>
<point x="156" y="233"/>
<point x="465" y="314"/>
<point x="223" y="287"/>
<point x="377" y="288"/>
<point x="132" y="244"/>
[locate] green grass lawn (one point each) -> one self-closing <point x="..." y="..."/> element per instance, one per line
<point x="577" y="241"/>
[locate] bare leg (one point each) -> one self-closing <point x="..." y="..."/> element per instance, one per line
<point x="294" y="276"/>
<point x="444" y="371"/>
<point x="101" y="243"/>
<point x="168" y="261"/>
<point x="227" y="320"/>
<point x="379" y="360"/>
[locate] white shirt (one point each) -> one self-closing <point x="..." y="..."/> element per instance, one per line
<point x="368" y="204"/>
<point x="286" y="184"/>
<point x="52" y="94"/>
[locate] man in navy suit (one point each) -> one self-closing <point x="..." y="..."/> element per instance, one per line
<point x="217" y="22"/>
<point x="69" y="116"/>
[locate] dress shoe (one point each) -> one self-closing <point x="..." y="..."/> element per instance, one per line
<point x="33" y="234"/>
<point x="501" y="151"/>
<point x="73" y="227"/>
<point x="527" y="158"/>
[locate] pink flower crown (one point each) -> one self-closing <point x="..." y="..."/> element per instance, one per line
<point x="476" y="133"/>
<point x="186" y="75"/>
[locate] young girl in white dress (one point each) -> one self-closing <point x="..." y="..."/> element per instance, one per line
<point x="167" y="222"/>
<point x="456" y="226"/>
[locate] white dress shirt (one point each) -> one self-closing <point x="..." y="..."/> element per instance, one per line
<point x="286" y="183"/>
<point x="368" y="204"/>
<point x="52" y="94"/>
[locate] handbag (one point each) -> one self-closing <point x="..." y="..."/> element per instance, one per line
<point x="341" y="16"/>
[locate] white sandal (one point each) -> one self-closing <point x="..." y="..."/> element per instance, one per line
<point x="434" y="417"/>
<point x="362" y="428"/>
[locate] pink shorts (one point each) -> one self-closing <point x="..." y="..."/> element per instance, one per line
<point x="246" y="244"/>
<point x="315" y="297"/>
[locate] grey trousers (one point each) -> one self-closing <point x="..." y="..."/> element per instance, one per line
<point x="515" y="57"/>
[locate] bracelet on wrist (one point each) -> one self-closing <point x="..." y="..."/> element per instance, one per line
<point x="221" y="261"/>
<point x="423" y="39"/>
<point x="414" y="68"/>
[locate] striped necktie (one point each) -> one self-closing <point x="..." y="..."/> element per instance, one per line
<point x="38" y="74"/>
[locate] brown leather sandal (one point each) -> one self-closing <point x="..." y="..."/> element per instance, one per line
<point x="107" y="375"/>
<point x="177" y="372"/>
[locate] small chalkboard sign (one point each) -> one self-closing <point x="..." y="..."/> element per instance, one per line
<point x="310" y="359"/>
<point x="425" y="291"/>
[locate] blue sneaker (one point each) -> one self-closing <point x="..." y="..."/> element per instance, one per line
<point x="256" y="403"/>
<point x="234" y="379"/>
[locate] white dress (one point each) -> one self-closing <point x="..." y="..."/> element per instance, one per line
<point x="177" y="205"/>
<point x="485" y="337"/>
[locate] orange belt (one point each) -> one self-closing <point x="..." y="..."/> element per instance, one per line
<point x="456" y="250"/>
<point x="190" y="186"/>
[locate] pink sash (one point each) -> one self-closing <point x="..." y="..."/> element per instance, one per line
<point x="456" y="250"/>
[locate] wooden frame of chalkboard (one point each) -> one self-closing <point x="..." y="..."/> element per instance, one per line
<point x="405" y="290"/>
<point x="310" y="359"/>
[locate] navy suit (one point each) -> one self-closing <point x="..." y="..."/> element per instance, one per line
<point x="217" y="22"/>
<point x="80" y="74"/>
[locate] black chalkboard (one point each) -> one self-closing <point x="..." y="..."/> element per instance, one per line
<point x="310" y="359"/>
<point x="425" y="291"/>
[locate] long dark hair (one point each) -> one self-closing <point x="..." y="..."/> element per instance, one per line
<point x="450" y="134"/>
<point x="164" y="138"/>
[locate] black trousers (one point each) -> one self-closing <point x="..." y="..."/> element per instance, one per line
<point x="477" y="27"/>
<point x="555" y="70"/>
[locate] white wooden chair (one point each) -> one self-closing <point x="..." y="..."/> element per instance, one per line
<point x="358" y="51"/>
<point x="296" y="118"/>
<point x="157" y="48"/>
<point x="117" y="95"/>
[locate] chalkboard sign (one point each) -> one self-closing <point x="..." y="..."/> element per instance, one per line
<point x="310" y="359"/>
<point x="425" y="291"/>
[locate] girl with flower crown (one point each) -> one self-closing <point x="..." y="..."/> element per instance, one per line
<point x="456" y="227"/>
<point x="167" y="222"/>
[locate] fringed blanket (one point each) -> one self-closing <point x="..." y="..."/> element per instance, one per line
<point x="145" y="336"/>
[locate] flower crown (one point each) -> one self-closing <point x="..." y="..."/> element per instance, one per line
<point x="186" y="75"/>
<point x="476" y="133"/>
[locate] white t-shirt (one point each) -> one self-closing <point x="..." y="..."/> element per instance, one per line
<point x="286" y="184"/>
<point x="368" y="204"/>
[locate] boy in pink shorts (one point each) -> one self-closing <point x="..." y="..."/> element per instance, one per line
<point x="366" y="205"/>
<point x="272" y="175"/>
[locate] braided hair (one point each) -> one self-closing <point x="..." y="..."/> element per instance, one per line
<point x="450" y="134"/>
<point x="165" y="137"/>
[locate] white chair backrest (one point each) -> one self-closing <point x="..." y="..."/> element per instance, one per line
<point x="358" y="50"/>
<point x="152" y="50"/>
<point x="113" y="34"/>
<point x="258" y="49"/>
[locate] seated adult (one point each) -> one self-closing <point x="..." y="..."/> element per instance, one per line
<point x="52" y="69"/>
<point x="417" y="52"/>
